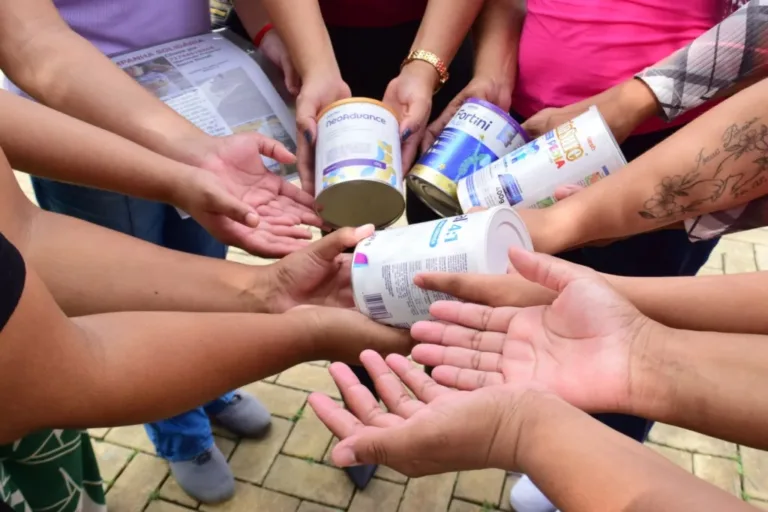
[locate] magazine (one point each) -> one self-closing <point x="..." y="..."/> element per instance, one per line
<point x="222" y="84"/>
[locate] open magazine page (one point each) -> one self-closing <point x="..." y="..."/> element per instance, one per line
<point x="216" y="85"/>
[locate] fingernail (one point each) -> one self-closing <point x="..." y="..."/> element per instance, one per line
<point x="308" y="136"/>
<point x="345" y="457"/>
<point x="252" y="220"/>
<point x="364" y="230"/>
<point x="406" y="134"/>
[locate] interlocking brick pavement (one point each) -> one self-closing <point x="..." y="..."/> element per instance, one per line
<point x="288" y="471"/>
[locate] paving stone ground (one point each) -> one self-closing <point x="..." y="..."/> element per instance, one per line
<point x="289" y="470"/>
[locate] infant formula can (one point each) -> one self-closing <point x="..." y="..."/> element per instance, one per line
<point x="358" y="167"/>
<point x="478" y="134"/>
<point x="385" y="263"/>
<point x="580" y="152"/>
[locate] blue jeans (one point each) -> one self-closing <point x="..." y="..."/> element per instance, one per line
<point x="187" y="435"/>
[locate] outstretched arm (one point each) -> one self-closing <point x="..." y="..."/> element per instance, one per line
<point x="105" y="370"/>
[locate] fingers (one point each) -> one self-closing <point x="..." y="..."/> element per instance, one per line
<point x="546" y="270"/>
<point x="359" y="399"/>
<point x="459" y="357"/>
<point x="305" y="152"/>
<point x="423" y="387"/>
<point x="391" y="390"/>
<point x="477" y="288"/>
<point x="339" y="421"/>
<point x="226" y="204"/>
<point x="445" y="116"/>
<point x="447" y="335"/>
<point x="465" y="379"/>
<point x="273" y="149"/>
<point x="566" y="191"/>
<point x="474" y="316"/>
<point x="298" y="195"/>
<point x="267" y="245"/>
<point x="412" y="129"/>
<point x="331" y="246"/>
<point x="292" y="80"/>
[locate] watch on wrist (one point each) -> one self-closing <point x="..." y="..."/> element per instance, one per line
<point x="432" y="59"/>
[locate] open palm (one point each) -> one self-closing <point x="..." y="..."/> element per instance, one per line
<point x="578" y="347"/>
<point x="281" y="206"/>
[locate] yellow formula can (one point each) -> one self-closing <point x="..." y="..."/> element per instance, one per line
<point x="358" y="167"/>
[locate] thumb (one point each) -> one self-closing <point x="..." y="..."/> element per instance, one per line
<point x="379" y="446"/>
<point x="330" y="246"/>
<point x="546" y="270"/>
<point x="224" y="203"/>
<point x="412" y="129"/>
<point x="274" y="149"/>
<point x="292" y="81"/>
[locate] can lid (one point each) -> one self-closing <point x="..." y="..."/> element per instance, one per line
<point x="504" y="229"/>
<point x="357" y="202"/>
<point x="357" y="100"/>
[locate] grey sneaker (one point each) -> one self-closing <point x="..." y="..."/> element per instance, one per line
<point x="244" y="416"/>
<point x="206" y="478"/>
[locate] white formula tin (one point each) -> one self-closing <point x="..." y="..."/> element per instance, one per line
<point x="358" y="167"/>
<point x="478" y="134"/>
<point x="581" y="152"/>
<point x="385" y="263"/>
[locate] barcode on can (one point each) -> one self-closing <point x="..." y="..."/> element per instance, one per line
<point x="376" y="307"/>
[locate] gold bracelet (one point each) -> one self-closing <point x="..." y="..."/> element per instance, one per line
<point x="434" y="60"/>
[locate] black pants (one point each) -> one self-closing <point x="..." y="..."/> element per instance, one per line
<point x="664" y="253"/>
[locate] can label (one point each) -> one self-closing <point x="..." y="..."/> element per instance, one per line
<point x="358" y="140"/>
<point x="477" y="135"/>
<point x="383" y="275"/>
<point x="581" y="151"/>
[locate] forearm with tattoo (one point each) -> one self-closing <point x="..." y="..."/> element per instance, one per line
<point x="736" y="166"/>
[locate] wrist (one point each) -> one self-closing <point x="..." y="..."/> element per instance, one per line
<point x="539" y="414"/>
<point x="637" y="102"/>
<point x="423" y="73"/>
<point x="257" y="288"/>
<point x="653" y="372"/>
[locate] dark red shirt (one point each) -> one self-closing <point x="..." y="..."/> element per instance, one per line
<point x="371" y="13"/>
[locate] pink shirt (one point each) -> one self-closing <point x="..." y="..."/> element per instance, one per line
<point x="573" y="49"/>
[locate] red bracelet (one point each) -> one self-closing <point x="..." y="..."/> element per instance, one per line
<point x="260" y="34"/>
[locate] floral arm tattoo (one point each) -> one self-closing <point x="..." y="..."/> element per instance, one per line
<point x="738" y="166"/>
<point x="729" y="53"/>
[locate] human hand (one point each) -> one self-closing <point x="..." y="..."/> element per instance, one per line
<point x="438" y="431"/>
<point x="410" y="95"/>
<point x="497" y="90"/>
<point x="579" y="347"/>
<point x="318" y="274"/>
<point x="274" y="49"/>
<point x="624" y="107"/>
<point x="236" y="161"/>
<point x="339" y="334"/>
<point x="318" y="90"/>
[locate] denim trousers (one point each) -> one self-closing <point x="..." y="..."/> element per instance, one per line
<point x="187" y="435"/>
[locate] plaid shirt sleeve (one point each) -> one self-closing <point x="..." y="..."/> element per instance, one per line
<point x="726" y="54"/>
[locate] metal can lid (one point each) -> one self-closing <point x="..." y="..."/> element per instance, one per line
<point x="437" y="200"/>
<point x="358" y="202"/>
<point x="504" y="229"/>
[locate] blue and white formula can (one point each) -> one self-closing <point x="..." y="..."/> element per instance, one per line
<point x="581" y="151"/>
<point x="358" y="166"/>
<point x="385" y="263"/>
<point x="478" y="134"/>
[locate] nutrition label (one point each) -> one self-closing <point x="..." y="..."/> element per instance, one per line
<point x="400" y="293"/>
